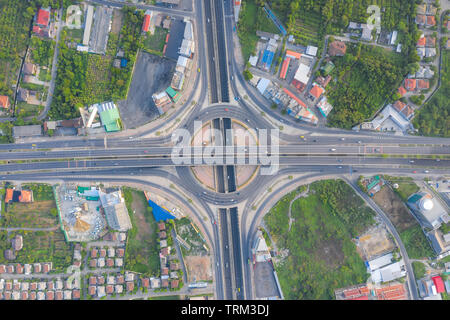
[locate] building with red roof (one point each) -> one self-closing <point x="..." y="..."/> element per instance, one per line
<point x="146" y="23"/>
<point x="4" y="102"/>
<point x="298" y="85"/>
<point x="422" y="42"/>
<point x="439" y="283"/>
<point x="284" y="67"/>
<point x="402" y="91"/>
<point x="76" y="294"/>
<point x="316" y="91"/>
<point x="431" y="21"/>
<point x="290" y="94"/>
<point x="423" y="84"/>
<point x="410" y="84"/>
<point x="43" y="17"/>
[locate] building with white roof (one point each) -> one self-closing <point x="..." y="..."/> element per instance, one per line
<point x="260" y="250"/>
<point x="379" y="262"/>
<point x="253" y="60"/>
<point x="115" y="210"/>
<point x="428" y="210"/>
<point x="311" y="51"/>
<point x="302" y="73"/>
<point x="262" y="85"/>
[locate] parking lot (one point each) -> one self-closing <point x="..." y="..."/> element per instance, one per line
<point x="151" y="74"/>
<point x="175" y="39"/>
<point x="265" y="285"/>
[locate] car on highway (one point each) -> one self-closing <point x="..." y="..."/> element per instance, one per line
<point x="333" y="149"/>
<point x="426" y="171"/>
<point x="235" y="98"/>
<point x="340" y="167"/>
<point x="342" y="139"/>
<point x="226" y="109"/>
<point x="411" y="161"/>
<point x="198" y="70"/>
<point x="414" y="171"/>
<point x="302" y="137"/>
<point x="145" y="151"/>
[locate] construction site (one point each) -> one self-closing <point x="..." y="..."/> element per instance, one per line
<point x="79" y="209"/>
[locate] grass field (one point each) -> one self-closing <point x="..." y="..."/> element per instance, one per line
<point x="416" y="243"/>
<point x="155" y="43"/>
<point x="24" y="109"/>
<point x="322" y="256"/>
<point x="433" y="119"/>
<point x="40" y="214"/>
<point x="251" y="19"/>
<point x="406" y="186"/>
<point x="98" y="79"/>
<point x="142" y="253"/>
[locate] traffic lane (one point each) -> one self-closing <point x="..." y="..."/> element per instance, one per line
<point x="219" y="161"/>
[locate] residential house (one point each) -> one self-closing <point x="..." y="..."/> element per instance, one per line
<point x="423" y="84"/>
<point x="410" y="84"/>
<point x="337" y="48"/>
<point x="4" y="102"/>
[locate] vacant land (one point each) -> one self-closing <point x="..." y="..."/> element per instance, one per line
<point x="40" y="246"/>
<point x="322" y="256"/>
<point x="42" y="214"/>
<point x="251" y="19"/>
<point x="193" y="239"/>
<point x="367" y="76"/>
<point x="434" y="118"/>
<point x="142" y="254"/>
<point x="198" y="268"/>
<point x="265" y="284"/>
<point x="375" y="242"/>
<point x="394" y="207"/>
<point x="392" y="203"/>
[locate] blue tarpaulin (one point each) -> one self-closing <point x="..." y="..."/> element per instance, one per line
<point x="159" y="213"/>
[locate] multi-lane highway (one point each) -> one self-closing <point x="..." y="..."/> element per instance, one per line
<point x="322" y="151"/>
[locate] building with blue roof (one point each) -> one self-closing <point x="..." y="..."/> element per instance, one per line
<point x="159" y="213"/>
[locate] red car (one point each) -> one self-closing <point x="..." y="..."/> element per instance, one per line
<point x="226" y="109"/>
<point x="414" y="171"/>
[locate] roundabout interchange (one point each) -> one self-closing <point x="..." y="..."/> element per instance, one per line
<point x="228" y="214"/>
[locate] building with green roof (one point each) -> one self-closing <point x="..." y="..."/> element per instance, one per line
<point x="174" y="95"/>
<point x="111" y="119"/>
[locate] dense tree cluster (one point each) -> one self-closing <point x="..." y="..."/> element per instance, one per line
<point x="366" y="77"/>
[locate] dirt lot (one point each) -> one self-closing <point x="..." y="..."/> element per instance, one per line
<point x="374" y="242"/>
<point x="265" y="284"/>
<point x="117" y="21"/>
<point x="390" y="203"/>
<point x="198" y="268"/>
<point x="151" y="74"/>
